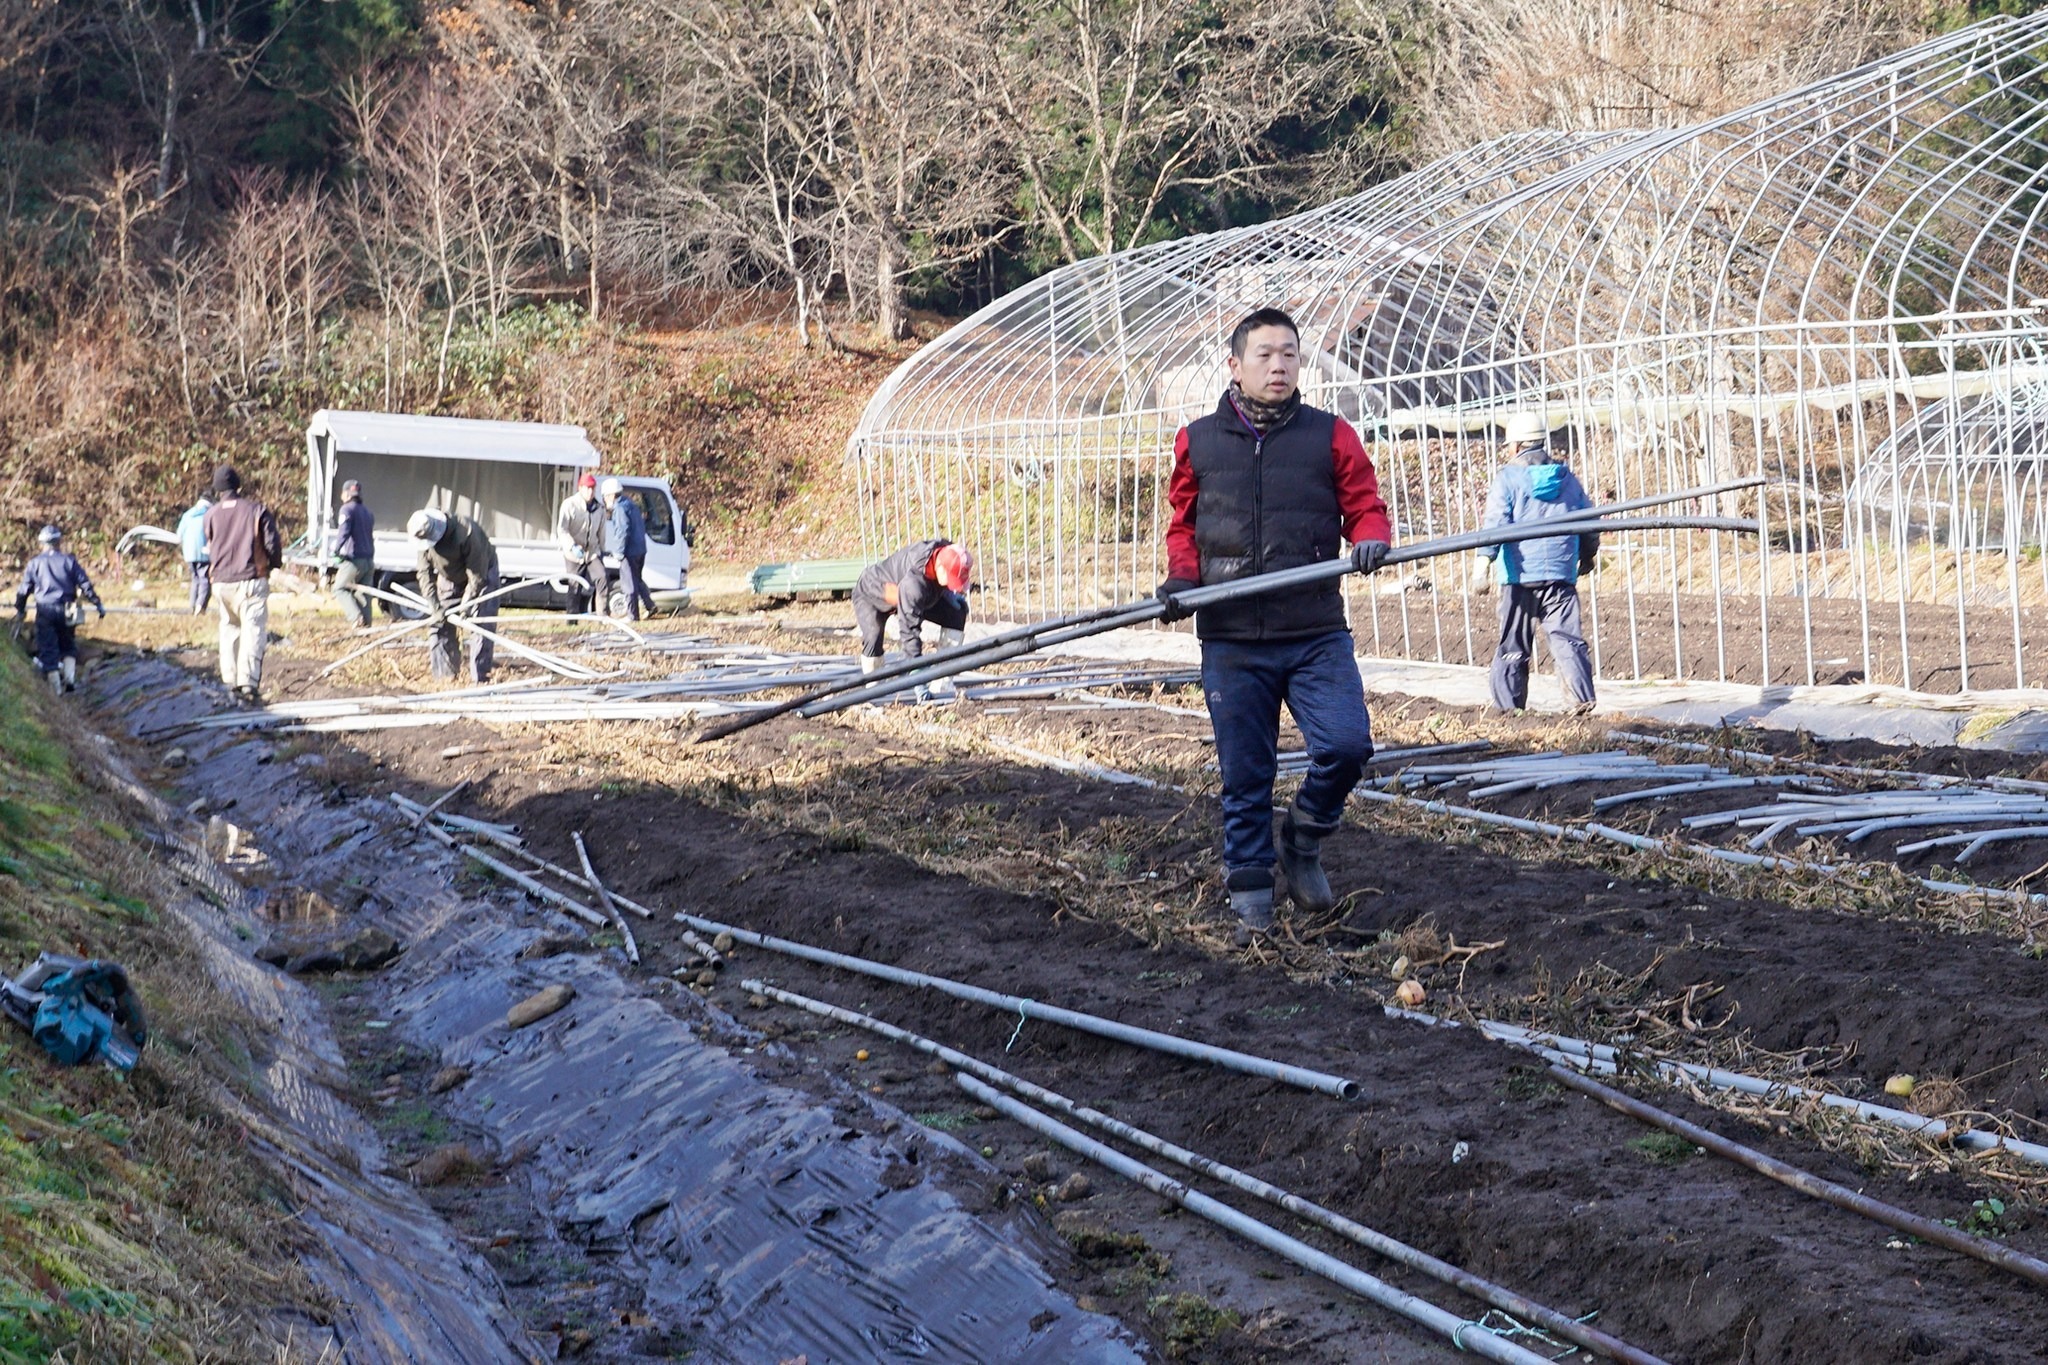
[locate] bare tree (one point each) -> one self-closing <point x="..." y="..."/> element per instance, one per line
<point x="1116" y="106"/>
<point x="883" y="103"/>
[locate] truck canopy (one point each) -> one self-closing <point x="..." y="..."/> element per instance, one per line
<point x="505" y="474"/>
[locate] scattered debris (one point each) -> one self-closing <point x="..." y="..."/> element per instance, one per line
<point x="539" y="1006"/>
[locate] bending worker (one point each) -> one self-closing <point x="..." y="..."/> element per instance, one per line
<point x="458" y="565"/>
<point x="1539" y="578"/>
<point x="57" y="581"/>
<point x="1263" y="483"/>
<point x="924" y="581"/>
<point x="579" y="527"/>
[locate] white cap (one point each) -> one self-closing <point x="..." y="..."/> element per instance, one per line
<point x="610" y="489"/>
<point x="1525" y="428"/>
<point x="427" y="524"/>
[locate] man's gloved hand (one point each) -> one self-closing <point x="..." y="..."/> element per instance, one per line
<point x="101" y="608"/>
<point x="1368" y="555"/>
<point x="1169" y="593"/>
<point x="1588" y="565"/>
<point x="438" y="614"/>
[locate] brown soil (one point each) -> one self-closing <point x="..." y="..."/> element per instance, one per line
<point x="1723" y="638"/>
<point x="1681" y="1254"/>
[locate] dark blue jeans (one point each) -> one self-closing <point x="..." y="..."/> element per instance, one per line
<point x="1245" y="682"/>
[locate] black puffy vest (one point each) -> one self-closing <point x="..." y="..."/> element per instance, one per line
<point x="1263" y="504"/>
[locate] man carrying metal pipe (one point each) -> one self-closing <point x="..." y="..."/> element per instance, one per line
<point x="579" y="529"/>
<point x="1539" y="578"/>
<point x="1267" y="483"/>
<point x="926" y="580"/>
<point x="457" y="566"/>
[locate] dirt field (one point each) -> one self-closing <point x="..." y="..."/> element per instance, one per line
<point x="915" y="837"/>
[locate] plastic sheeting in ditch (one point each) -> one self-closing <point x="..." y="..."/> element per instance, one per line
<point x="746" y="1214"/>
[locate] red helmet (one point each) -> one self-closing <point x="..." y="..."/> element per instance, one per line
<point x="953" y="566"/>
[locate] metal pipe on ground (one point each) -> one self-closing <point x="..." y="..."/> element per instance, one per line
<point x="1612" y="1059"/>
<point x="604" y="899"/>
<point x="1025" y="1009"/>
<point x="535" y="888"/>
<point x="1841" y="1196"/>
<point x="407" y="627"/>
<point x="1465" y="1334"/>
<point x="1017" y="640"/>
<point x="1834" y="769"/>
<point x="1508" y="1301"/>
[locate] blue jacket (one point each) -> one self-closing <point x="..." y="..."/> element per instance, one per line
<point x="352" y="537"/>
<point x="192" y="532"/>
<point x="53" y="578"/>
<point x="627" y="533"/>
<point x="1536" y="487"/>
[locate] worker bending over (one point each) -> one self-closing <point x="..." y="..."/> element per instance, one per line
<point x="1263" y="483"/>
<point x="926" y="580"/>
<point x="1539" y="578"/>
<point x="57" y="581"/>
<point x="458" y="565"/>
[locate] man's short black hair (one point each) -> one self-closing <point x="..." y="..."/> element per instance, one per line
<point x="1253" y="321"/>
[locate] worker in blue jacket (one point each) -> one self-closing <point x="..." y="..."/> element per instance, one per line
<point x="1539" y="578"/>
<point x="354" y="544"/>
<point x="626" y="536"/>
<point x="57" y="581"/>
<point x="192" y="545"/>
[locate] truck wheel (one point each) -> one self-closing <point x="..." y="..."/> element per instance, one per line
<point x="617" y="605"/>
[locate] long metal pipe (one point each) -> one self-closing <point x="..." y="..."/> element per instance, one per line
<point x="1611" y="1059"/>
<point x="1230" y="1059"/>
<point x="1464" y="1333"/>
<point x="1841" y="1196"/>
<point x="1151" y="609"/>
<point x="534" y="888"/>
<point x="1001" y="645"/>
<point x="1507" y="1300"/>
<point x="604" y="899"/>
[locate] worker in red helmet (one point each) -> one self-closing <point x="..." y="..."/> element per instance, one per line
<point x="579" y="530"/>
<point x="924" y="581"/>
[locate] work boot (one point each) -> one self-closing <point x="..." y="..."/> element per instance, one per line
<point x="1301" y="858"/>
<point x="1251" y="901"/>
<point x="56" y="681"/>
<point x="69" y="668"/>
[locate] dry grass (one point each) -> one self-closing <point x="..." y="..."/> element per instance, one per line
<point x="135" y="1223"/>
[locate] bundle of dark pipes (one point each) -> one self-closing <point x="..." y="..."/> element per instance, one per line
<point x="907" y="674"/>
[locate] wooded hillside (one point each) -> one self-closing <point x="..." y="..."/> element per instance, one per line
<point x="220" y="215"/>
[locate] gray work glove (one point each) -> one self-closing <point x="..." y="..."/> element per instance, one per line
<point x="100" y="607"/>
<point x="1368" y="555"/>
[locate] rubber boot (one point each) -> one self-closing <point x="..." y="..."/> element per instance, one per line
<point x="868" y="665"/>
<point x="1301" y="858"/>
<point x="56" y="681"/>
<point x="1251" y="901"/>
<point x="69" y="668"/>
<point x="949" y="637"/>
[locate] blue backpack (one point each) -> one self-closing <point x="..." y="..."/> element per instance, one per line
<point x="79" y="1010"/>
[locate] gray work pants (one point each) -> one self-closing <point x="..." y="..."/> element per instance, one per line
<point x="445" y="650"/>
<point x="1523" y="607"/>
<point x="355" y="606"/>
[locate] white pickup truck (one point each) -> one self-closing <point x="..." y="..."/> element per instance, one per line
<point x="510" y="476"/>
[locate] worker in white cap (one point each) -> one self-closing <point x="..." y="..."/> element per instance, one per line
<point x="457" y="566"/>
<point x="625" y="537"/>
<point x="1539" y="578"/>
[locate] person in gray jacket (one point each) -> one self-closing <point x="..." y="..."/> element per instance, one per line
<point x="458" y="568"/>
<point x="1539" y="578"/>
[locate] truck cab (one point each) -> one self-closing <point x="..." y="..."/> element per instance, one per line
<point x="510" y="476"/>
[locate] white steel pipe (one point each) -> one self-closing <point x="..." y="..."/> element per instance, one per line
<point x="1464" y="1333"/>
<point x="1508" y="1301"/>
<point x="1228" y="1058"/>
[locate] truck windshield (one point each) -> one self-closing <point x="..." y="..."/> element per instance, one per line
<point x="661" y="525"/>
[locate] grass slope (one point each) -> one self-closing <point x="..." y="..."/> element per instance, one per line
<point x="135" y="1223"/>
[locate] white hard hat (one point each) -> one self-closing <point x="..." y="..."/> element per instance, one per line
<point x="427" y="524"/>
<point x="1525" y="428"/>
<point x="610" y="489"/>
